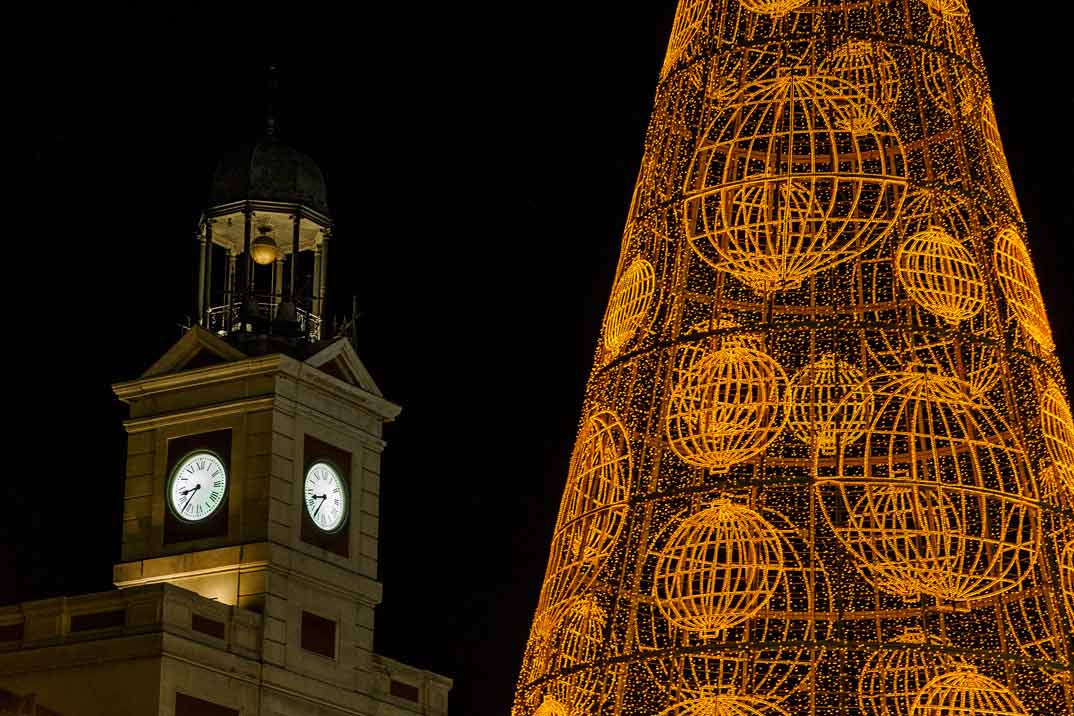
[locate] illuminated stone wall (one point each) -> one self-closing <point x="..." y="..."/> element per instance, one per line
<point x="826" y="460"/>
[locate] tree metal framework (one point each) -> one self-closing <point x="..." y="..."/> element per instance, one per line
<point x="826" y="458"/>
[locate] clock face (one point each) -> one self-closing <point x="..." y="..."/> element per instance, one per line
<point x="325" y="496"/>
<point x="197" y="486"/>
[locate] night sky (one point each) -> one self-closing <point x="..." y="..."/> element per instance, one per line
<point x="479" y="163"/>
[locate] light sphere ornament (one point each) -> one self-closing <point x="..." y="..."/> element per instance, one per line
<point x="724" y="705"/>
<point x="812" y="195"/>
<point x="718" y="568"/>
<point x="966" y="692"/>
<point x="769" y="656"/>
<point x="938" y="497"/>
<point x="949" y="8"/>
<point x="593" y="508"/>
<point x="726" y="405"/>
<point x="577" y="641"/>
<point x="551" y="707"/>
<point x="1066" y="577"/>
<point x="894" y="674"/>
<point x="1019" y="283"/>
<point x="775" y="8"/>
<point x="263" y="249"/>
<point x="629" y="306"/>
<point x="941" y="275"/>
<point x="1057" y="426"/>
<point x="870" y="68"/>
<point x="813" y="394"/>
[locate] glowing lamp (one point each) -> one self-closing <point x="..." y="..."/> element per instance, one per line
<point x="263" y="249"/>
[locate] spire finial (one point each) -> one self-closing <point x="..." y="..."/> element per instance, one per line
<point x="273" y="88"/>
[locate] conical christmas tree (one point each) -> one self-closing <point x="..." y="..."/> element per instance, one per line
<point x="826" y="461"/>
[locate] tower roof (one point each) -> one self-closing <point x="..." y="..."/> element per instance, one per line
<point x="269" y="170"/>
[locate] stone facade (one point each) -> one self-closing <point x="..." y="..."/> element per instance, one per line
<point x="224" y="617"/>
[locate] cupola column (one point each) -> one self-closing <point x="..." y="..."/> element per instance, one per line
<point x="277" y="278"/>
<point x="229" y="289"/>
<point x="322" y="282"/>
<point x="296" y="222"/>
<point x="248" y="264"/>
<point x="205" y="283"/>
<point x="315" y="306"/>
<point x="201" y="239"/>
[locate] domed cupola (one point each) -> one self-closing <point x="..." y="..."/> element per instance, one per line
<point x="264" y="243"/>
<point x="269" y="170"/>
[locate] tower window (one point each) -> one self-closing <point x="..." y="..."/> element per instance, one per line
<point x="193" y="706"/>
<point x="319" y="635"/>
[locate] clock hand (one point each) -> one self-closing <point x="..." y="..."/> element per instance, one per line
<point x="322" y="498"/>
<point x="192" y="490"/>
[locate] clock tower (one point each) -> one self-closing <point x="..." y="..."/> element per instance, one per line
<point x="248" y="571"/>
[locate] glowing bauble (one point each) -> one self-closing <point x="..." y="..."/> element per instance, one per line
<point x="593" y="508"/>
<point x="718" y="568"/>
<point x="551" y="707"/>
<point x="949" y="8"/>
<point x="937" y="498"/>
<point x="812" y="397"/>
<point x="724" y="705"/>
<point x="1066" y="577"/>
<point x="869" y="68"/>
<point x="689" y="19"/>
<point x="775" y="8"/>
<point x="966" y="693"/>
<point x="947" y="81"/>
<point x="629" y="304"/>
<point x="577" y="641"/>
<point x="910" y="540"/>
<point x="941" y="275"/>
<point x="1018" y="281"/>
<point x="780" y="188"/>
<point x="1036" y="618"/>
<point x="1057" y="426"/>
<point x="896" y="672"/>
<point x="767" y="656"/>
<point x="725" y="406"/>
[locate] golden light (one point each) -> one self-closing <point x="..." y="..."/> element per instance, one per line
<point x="263" y="249"/>
<point x="629" y="305"/>
<point x="1018" y="281"/>
<point x="966" y="693"/>
<point x="941" y="275"/>
<point x="593" y="508"/>
<point x="936" y="498"/>
<point x="814" y="394"/>
<point x="1057" y="426"/>
<point x="724" y="705"/>
<point x="776" y="8"/>
<point x="725" y="406"/>
<point x="719" y="568"/>
<point x="897" y="671"/>
<point x="808" y="199"/>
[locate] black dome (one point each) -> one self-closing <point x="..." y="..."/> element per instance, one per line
<point x="270" y="171"/>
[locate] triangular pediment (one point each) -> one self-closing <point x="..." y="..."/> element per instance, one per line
<point x="198" y="348"/>
<point x="340" y="361"/>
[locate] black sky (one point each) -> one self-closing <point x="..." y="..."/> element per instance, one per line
<point x="479" y="164"/>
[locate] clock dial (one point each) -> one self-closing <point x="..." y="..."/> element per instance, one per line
<point x="325" y="495"/>
<point x="197" y="486"/>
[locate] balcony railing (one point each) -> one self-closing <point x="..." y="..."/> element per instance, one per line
<point x="228" y="318"/>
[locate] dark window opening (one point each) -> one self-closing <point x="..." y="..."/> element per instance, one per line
<point x="319" y="635"/>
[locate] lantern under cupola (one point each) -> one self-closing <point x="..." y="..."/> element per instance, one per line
<point x="263" y="243"/>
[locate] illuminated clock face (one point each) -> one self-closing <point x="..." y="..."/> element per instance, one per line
<point x="197" y="486"/>
<point x="326" y="496"/>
